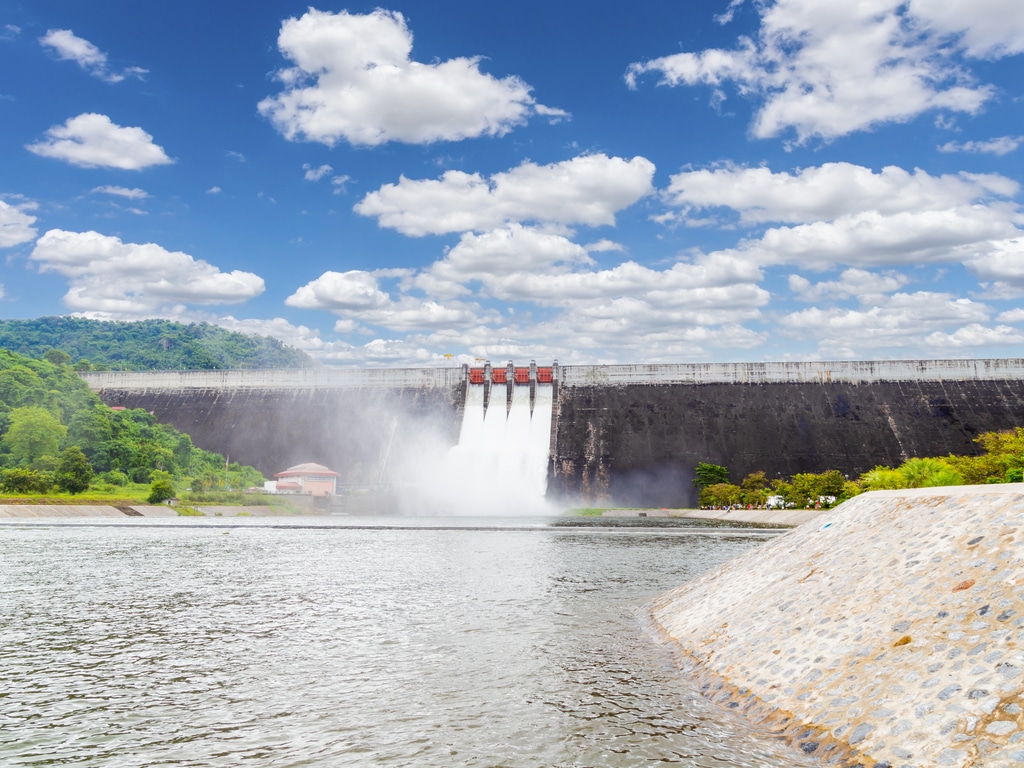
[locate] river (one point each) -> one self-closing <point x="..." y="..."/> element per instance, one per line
<point x="353" y="642"/>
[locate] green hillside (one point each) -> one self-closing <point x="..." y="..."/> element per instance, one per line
<point x="49" y="418"/>
<point x="147" y="345"/>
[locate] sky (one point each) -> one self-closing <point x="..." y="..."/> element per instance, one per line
<point x="421" y="184"/>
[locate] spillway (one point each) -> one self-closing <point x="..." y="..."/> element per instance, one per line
<point x="501" y="459"/>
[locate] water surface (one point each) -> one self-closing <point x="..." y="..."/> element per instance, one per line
<point x="348" y="643"/>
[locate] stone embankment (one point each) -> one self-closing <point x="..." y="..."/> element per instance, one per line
<point x="886" y="632"/>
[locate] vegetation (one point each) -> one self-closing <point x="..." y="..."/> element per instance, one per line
<point x="707" y="475"/>
<point x="56" y="435"/>
<point x="1002" y="461"/>
<point x="96" y="345"/>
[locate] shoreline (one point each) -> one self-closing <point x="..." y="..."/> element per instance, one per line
<point x="789" y="518"/>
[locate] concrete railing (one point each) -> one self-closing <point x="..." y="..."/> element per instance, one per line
<point x="292" y="378"/>
<point x="855" y="371"/>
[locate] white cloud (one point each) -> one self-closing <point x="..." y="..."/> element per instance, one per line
<point x="900" y="321"/>
<point x="1002" y="261"/>
<point x="353" y="80"/>
<point x="132" y="194"/>
<point x="973" y="336"/>
<point x="828" y="191"/>
<point x="984" y="28"/>
<point x="16" y="225"/>
<point x="93" y="141"/>
<point x="873" y="239"/>
<point x="69" y="47"/>
<point x="355" y="289"/>
<point x="1011" y="316"/>
<point x="1003" y="145"/>
<point x="860" y="284"/>
<point x="357" y="296"/>
<point x="134" y="280"/>
<point x="315" y="174"/>
<point x="298" y="336"/>
<point x="588" y="190"/>
<point x="829" y="69"/>
<point x="214" y="191"/>
<point x="848" y="214"/>
<point x="340" y="183"/>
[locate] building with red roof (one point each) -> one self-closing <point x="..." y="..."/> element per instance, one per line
<point x="310" y="479"/>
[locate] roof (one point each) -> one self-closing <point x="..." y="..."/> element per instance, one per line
<point x="306" y="470"/>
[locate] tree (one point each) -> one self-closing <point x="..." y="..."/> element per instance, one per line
<point x="720" y="495"/>
<point x="709" y="474"/>
<point x="57" y="357"/>
<point x="882" y="479"/>
<point x="929" y="473"/>
<point x="73" y="472"/>
<point x="33" y="432"/>
<point x="162" y="487"/>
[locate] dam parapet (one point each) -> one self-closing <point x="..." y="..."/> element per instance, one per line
<point x="278" y="379"/>
<point x="808" y="372"/>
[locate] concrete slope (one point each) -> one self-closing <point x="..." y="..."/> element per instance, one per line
<point x="889" y="630"/>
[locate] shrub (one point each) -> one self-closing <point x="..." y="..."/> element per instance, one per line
<point x="22" y="480"/>
<point x="160" y="491"/>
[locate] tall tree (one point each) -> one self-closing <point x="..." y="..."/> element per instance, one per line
<point x="33" y="432"/>
<point x="73" y="471"/>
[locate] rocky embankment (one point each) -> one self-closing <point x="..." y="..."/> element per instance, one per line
<point x="886" y="632"/>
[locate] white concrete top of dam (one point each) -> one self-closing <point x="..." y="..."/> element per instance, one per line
<point x="817" y="372"/>
<point x="892" y="625"/>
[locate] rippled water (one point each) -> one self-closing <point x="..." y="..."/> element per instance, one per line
<point x="265" y="645"/>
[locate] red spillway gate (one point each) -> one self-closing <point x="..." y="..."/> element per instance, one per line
<point x="514" y="374"/>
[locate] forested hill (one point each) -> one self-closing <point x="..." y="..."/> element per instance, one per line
<point x="147" y="345"/>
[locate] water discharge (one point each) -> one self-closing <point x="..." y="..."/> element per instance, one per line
<point x="500" y="464"/>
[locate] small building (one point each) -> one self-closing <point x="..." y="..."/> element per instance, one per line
<point x="310" y="479"/>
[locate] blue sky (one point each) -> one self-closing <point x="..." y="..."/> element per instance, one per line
<point x="427" y="183"/>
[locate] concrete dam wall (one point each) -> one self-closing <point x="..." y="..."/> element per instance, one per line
<point x="629" y="435"/>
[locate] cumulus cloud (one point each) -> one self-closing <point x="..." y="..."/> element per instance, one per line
<point x="16" y="225"/>
<point x="828" y="191"/>
<point x="900" y="321"/>
<point x="829" y="69"/>
<point x="134" y="280"/>
<point x="983" y="28"/>
<point x="867" y="287"/>
<point x="357" y="296"/>
<point x="587" y="190"/>
<point x="353" y="80"/>
<point x="94" y="141"/>
<point x="69" y="47"/>
<point x="840" y="213"/>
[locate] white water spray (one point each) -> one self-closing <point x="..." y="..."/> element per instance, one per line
<point x="500" y="465"/>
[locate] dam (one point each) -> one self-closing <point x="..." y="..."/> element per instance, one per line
<point x="622" y="434"/>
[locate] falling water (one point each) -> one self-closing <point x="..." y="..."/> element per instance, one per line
<point x="500" y="464"/>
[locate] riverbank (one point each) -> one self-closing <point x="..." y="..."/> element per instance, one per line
<point x="139" y="510"/>
<point x="784" y="517"/>
<point x="890" y="629"/>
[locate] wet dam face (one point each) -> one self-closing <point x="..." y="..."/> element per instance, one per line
<point x="624" y="435"/>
